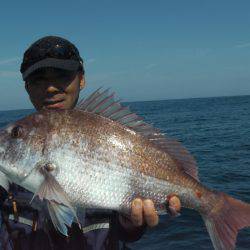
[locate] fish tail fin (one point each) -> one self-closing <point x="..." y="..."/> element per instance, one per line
<point x="224" y="221"/>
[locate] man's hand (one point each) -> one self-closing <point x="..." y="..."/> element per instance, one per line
<point x="143" y="212"/>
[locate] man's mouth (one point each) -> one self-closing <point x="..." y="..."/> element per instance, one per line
<point x="54" y="103"/>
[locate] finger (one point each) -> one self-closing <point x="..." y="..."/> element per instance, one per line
<point x="150" y="215"/>
<point x="136" y="212"/>
<point x="175" y="203"/>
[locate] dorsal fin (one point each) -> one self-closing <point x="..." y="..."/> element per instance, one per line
<point x="104" y="104"/>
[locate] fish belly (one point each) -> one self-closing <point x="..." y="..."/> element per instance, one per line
<point x="110" y="186"/>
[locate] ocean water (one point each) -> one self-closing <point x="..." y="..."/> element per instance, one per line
<point x="217" y="132"/>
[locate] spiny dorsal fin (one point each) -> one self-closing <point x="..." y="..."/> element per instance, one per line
<point x="104" y="104"/>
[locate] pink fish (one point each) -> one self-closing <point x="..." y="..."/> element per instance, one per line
<point x="103" y="156"/>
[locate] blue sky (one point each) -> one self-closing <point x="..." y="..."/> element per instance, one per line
<point x="144" y="50"/>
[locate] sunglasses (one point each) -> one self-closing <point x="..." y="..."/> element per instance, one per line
<point x="51" y="50"/>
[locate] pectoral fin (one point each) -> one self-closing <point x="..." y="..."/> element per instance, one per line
<point x="61" y="216"/>
<point x="59" y="206"/>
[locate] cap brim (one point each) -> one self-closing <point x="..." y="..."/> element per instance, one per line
<point x="70" y="65"/>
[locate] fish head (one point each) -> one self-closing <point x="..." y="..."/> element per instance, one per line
<point x="21" y="146"/>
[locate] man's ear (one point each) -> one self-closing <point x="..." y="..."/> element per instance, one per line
<point x="82" y="81"/>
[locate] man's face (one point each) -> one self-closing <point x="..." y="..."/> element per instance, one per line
<point x="54" y="88"/>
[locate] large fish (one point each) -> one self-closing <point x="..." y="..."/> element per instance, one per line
<point x="103" y="156"/>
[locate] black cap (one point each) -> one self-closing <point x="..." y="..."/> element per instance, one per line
<point x="51" y="51"/>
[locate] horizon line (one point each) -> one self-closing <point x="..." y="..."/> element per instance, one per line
<point x="155" y="100"/>
<point x="187" y="98"/>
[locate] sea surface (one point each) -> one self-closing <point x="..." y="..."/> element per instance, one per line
<point x="217" y="132"/>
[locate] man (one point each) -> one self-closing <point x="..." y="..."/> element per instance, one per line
<point x="54" y="75"/>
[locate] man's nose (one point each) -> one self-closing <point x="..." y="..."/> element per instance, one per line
<point x="52" y="89"/>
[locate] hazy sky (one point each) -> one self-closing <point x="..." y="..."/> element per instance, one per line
<point x="144" y="50"/>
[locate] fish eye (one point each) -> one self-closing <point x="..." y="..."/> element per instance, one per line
<point x="16" y="132"/>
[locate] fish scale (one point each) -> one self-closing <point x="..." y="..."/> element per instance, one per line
<point x="100" y="179"/>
